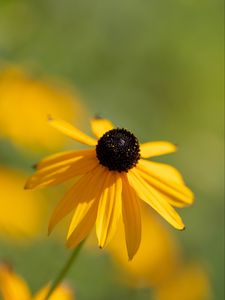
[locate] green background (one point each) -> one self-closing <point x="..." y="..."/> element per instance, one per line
<point x="155" y="67"/>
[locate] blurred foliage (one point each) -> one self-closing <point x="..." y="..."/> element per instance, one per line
<point x="155" y="67"/>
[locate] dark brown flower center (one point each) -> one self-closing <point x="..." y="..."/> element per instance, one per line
<point x="118" y="150"/>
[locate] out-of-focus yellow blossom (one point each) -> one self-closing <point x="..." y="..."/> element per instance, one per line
<point x="190" y="283"/>
<point x="157" y="256"/>
<point x="61" y="293"/>
<point x="21" y="213"/>
<point x="13" y="287"/>
<point x="24" y="105"/>
<point x="159" y="264"/>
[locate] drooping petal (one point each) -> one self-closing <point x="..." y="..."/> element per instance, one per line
<point x="151" y="149"/>
<point x="62" y="171"/>
<point x="166" y="171"/>
<point x="85" y="208"/>
<point x="167" y="181"/>
<point x="61" y="157"/>
<point x="169" y="173"/>
<point x="71" y="199"/>
<point x="171" y="200"/>
<point x="83" y="220"/>
<point x="12" y="287"/>
<point x="72" y="132"/>
<point x="109" y="209"/>
<point x="131" y="217"/>
<point x="151" y="197"/>
<point x="100" y="126"/>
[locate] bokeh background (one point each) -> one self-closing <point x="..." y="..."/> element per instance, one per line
<point x="155" y="67"/>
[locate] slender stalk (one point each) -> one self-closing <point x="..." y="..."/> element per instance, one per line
<point x="63" y="272"/>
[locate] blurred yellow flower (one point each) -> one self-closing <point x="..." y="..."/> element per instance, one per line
<point x="156" y="259"/>
<point x="21" y="213"/>
<point x="115" y="177"/>
<point x="13" y="287"/>
<point x="190" y="283"/>
<point x="63" y="292"/>
<point x="24" y="105"/>
<point x="159" y="264"/>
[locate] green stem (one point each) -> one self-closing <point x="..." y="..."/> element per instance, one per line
<point x="64" y="270"/>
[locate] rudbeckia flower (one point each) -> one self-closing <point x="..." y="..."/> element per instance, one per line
<point x="114" y="176"/>
<point x="14" y="287"/>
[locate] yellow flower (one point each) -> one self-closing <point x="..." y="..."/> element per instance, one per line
<point x="190" y="283"/>
<point x="13" y="287"/>
<point x="24" y="104"/>
<point x="157" y="257"/>
<point x="14" y="203"/>
<point x="114" y="177"/>
<point x="63" y="292"/>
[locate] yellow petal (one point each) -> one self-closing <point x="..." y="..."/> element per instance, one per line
<point x="109" y="209"/>
<point x="85" y="208"/>
<point x="63" y="292"/>
<point x="151" y="197"/>
<point x="166" y="171"/>
<point x="61" y="157"/>
<point x="72" y="132"/>
<point x="83" y="221"/>
<point x="62" y="171"/>
<point x="12" y="286"/>
<point x="71" y="199"/>
<point x="100" y="126"/>
<point x="151" y="149"/>
<point x="170" y="199"/>
<point x="171" y="174"/>
<point x="131" y="217"/>
<point x="165" y="179"/>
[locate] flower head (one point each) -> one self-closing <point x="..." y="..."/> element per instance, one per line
<point x="114" y="176"/>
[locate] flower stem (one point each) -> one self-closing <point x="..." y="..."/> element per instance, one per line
<point x="64" y="270"/>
